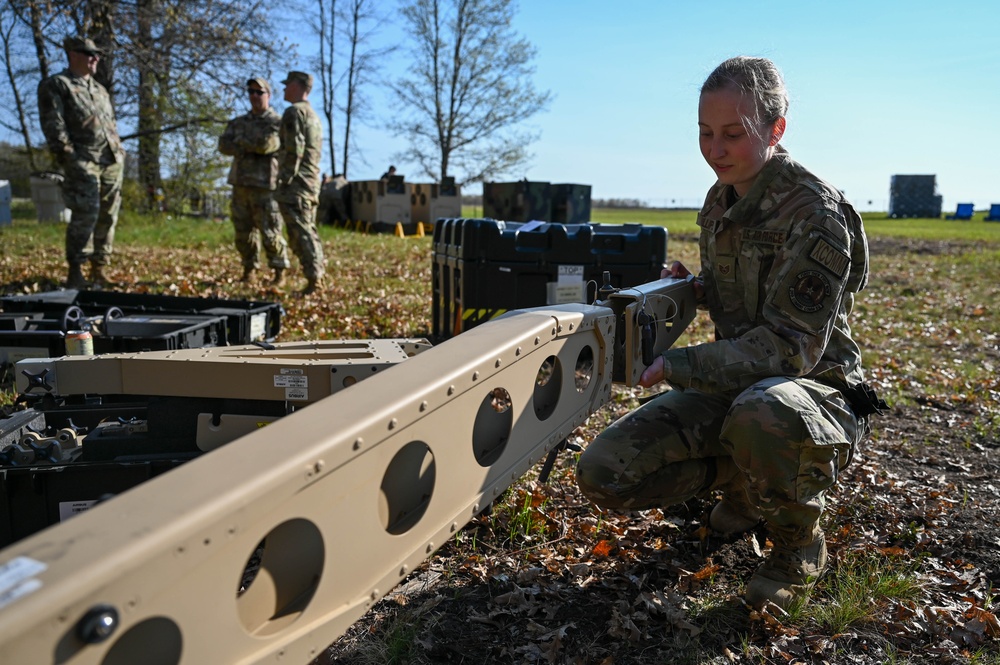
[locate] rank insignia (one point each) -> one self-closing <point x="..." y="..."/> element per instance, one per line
<point x="726" y="267"/>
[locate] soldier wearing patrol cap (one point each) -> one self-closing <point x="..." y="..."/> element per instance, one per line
<point x="770" y="412"/>
<point x="253" y="140"/>
<point x="80" y="128"/>
<point x="299" y="176"/>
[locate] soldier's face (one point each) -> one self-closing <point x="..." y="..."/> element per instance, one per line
<point x="81" y="63"/>
<point x="734" y="148"/>
<point x="293" y="91"/>
<point x="259" y="99"/>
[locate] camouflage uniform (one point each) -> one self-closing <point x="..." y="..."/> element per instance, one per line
<point x="253" y="141"/>
<point x="760" y="410"/>
<point x="80" y="129"/>
<point x="299" y="181"/>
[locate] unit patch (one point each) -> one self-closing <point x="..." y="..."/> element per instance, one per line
<point x="810" y="290"/>
<point x="764" y="236"/>
<point x="830" y="257"/>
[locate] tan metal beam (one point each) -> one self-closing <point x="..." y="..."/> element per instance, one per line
<point x="298" y="372"/>
<point x="347" y="496"/>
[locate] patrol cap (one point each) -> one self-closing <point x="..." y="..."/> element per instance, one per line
<point x="81" y="44"/>
<point x="261" y="82"/>
<point x="301" y="77"/>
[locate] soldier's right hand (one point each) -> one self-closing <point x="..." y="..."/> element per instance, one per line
<point x="675" y="270"/>
<point x="66" y="155"/>
<point x="678" y="270"/>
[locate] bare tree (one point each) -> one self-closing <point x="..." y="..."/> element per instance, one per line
<point x="468" y="90"/>
<point x="26" y="22"/>
<point x="349" y="29"/>
<point x="34" y="18"/>
<point x="361" y="23"/>
<point x="149" y="109"/>
<point x="8" y="23"/>
<point x="170" y="65"/>
<point x="326" y="31"/>
<point x="187" y="63"/>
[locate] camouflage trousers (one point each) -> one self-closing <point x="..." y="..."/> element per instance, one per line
<point x="783" y="441"/>
<point x="93" y="193"/>
<point x="300" y="220"/>
<point x="256" y="221"/>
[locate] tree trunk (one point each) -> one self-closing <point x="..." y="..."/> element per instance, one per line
<point x="327" y="35"/>
<point x="149" y="111"/>
<point x="351" y="82"/>
<point x="18" y="102"/>
<point x="39" y="39"/>
<point x="103" y="33"/>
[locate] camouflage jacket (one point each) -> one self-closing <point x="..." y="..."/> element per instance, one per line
<point x="253" y="142"/>
<point x="77" y="118"/>
<point x="301" y="147"/>
<point x="780" y="268"/>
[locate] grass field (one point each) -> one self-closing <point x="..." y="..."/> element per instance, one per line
<point x="876" y="224"/>
<point x="929" y="311"/>
<point x="195" y="231"/>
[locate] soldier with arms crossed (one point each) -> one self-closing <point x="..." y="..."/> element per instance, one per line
<point x="253" y="140"/>
<point x="299" y="176"/>
<point x="770" y="412"/>
<point x="80" y="129"/>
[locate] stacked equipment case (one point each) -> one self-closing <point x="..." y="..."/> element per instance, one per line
<point x="37" y="325"/>
<point x="485" y="267"/>
<point x="914" y="196"/>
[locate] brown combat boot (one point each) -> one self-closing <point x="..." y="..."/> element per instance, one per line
<point x="311" y="286"/>
<point x="97" y="276"/>
<point x="247" y="273"/>
<point x="75" y="278"/>
<point x="789" y="573"/>
<point x="279" y="277"/>
<point x="735" y="513"/>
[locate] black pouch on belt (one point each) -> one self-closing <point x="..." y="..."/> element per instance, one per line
<point x="864" y="400"/>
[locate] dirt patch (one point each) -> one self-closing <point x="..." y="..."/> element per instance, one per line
<point x="658" y="587"/>
<point x="887" y="246"/>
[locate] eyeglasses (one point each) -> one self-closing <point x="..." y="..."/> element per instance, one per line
<point x="255" y="92"/>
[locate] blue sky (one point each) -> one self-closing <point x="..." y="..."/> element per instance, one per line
<point x="877" y="89"/>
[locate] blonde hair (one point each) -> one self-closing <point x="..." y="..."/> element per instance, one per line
<point x="759" y="80"/>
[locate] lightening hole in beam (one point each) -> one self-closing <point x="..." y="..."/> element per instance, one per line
<point x="494" y="422"/>
<point x="548" y="385"/>
<point x="407" y="487"/>
<point x="289" y="563"/>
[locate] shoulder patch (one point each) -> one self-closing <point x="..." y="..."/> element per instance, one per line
<point x="764" y="236"/>
<point x="831" y="258"/>
<point x="810" y="290"/>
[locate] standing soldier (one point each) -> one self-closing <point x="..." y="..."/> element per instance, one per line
<point x="299" y="177"/>
<point x="253" y="140"/>
<point x="80" y="129"/>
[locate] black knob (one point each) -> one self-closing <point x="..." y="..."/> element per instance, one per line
<point x="606" y="289"/>
<point x="97" y="624"/>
